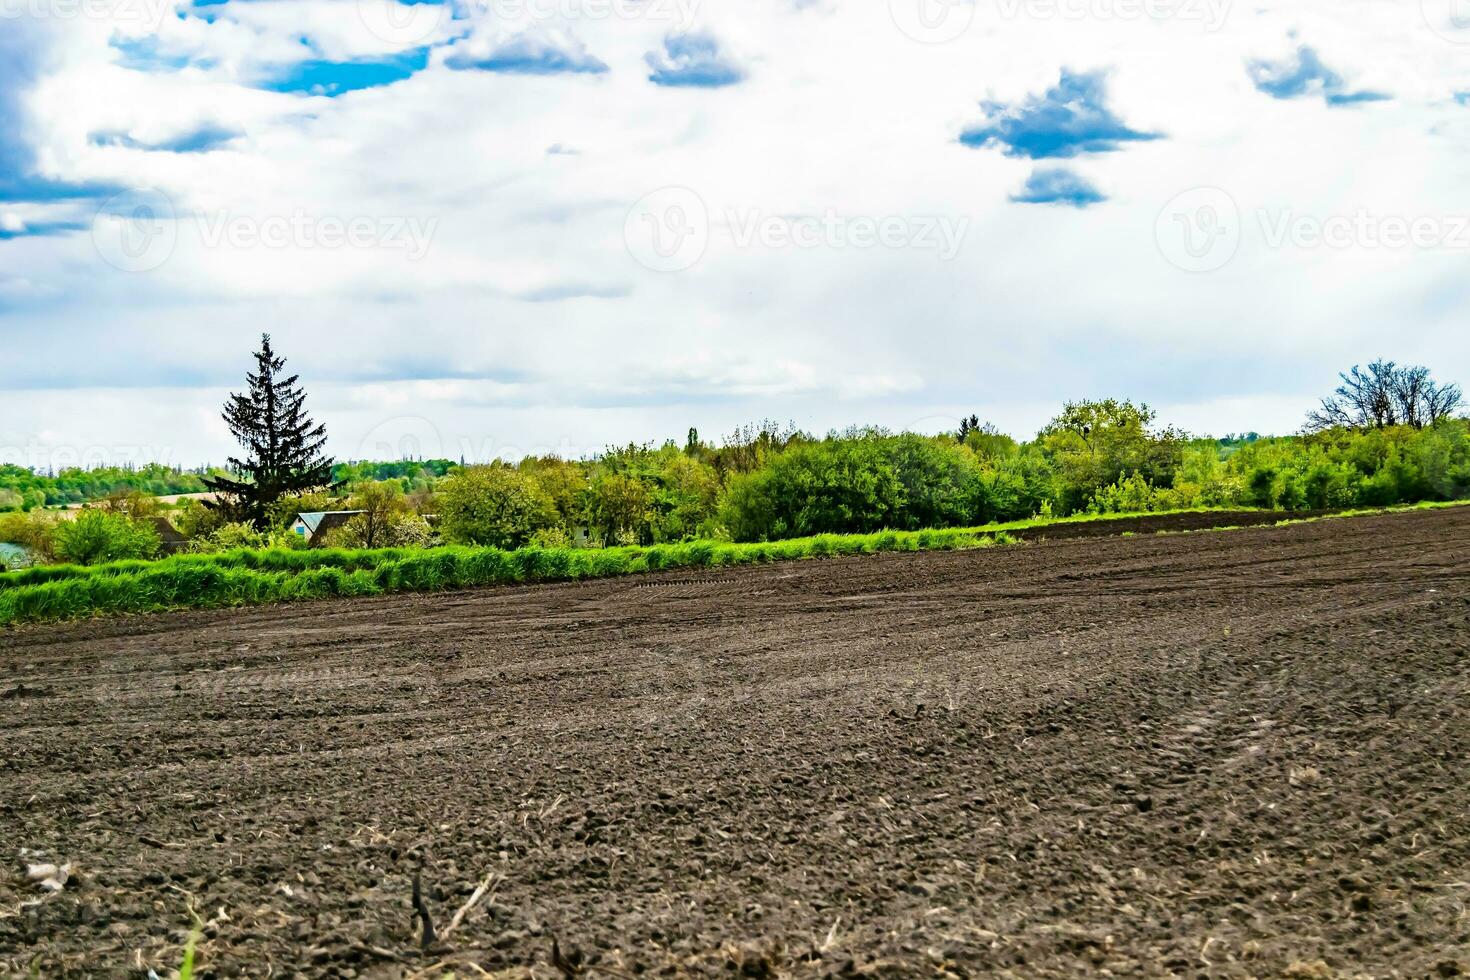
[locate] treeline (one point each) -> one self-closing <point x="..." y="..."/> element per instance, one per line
<point x="413" y="473"/>
<point x="1389" y="435"/>
<point x="22" y="489"/>
<point x="771" y="482"/>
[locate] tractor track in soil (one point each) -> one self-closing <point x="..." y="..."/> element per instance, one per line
<point x="1237" y="754"/>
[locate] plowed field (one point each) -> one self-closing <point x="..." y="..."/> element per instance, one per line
<point x="1243" y="753"/>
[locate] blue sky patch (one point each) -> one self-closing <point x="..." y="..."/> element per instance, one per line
<point x="1302" y="74"/>
<point x="40" y="229"/>
<point x="146" y="54"/>
<point x="1070" y="119"/>
<point x="334" y="78"/>
<point x="29" y="187"/>
<point x="1058" y="185"/>
<point x="201" y="140"/>
<point x="693" y="61"/>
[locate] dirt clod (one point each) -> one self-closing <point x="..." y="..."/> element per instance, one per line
<point x="1236" y="754"/>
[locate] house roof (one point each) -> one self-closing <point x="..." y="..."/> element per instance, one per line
<point x="324" y="520"/>
<point x="168" y="535"/>
<point x="167" y="532"/>
<point x="13" y="555"/>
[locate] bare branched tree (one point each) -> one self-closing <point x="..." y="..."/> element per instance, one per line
<point x="1385" y="394"/>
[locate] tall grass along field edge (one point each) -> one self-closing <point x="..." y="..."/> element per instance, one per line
<point x="272" y="577"/>
<point x="351" y="560"/>
<point x="244" y="577"/>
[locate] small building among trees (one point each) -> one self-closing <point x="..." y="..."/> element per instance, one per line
<point x="170" y="541"/>
<point x="314" y="526"/>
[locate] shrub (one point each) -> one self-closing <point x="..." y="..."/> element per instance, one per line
<point x="96" y="536"/>
<point x="495" y="506"/>
<point x="860" y="484"/>
<point x="33" y="531"/>
<point x="401" y="530"/>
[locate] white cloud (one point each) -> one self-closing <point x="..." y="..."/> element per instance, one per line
<point x="483" y="254"/>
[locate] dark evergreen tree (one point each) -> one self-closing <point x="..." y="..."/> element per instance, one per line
<point x="283" y="445"/>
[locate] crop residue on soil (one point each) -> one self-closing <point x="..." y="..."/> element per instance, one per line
<point x="1238" y="754"/>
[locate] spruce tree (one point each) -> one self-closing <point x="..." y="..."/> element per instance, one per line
<point x="283" y="445"/>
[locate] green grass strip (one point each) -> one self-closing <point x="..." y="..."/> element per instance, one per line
<point x="246" y="578"/>
<point x="350" y="560"/>
<point x="173" y="583"/>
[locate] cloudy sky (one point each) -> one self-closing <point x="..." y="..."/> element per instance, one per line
<point x="491" y="227"/>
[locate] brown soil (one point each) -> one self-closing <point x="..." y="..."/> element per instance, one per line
<point x="1216" y="754"/>
<point x="1156" y="523"/>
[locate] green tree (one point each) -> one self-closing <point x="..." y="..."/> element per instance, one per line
<point x="284" y="446"/>
<point x="1094" y="444"/>
<point x="838" y="485"/>
<point x="383" y="505"/>
<point x="618" y="507"/>
<point x="685" y="495"/>
<point x="564" y="482"/>
<point x="987" y="441"/>
<point x="493" y="505"/>
<point x="940" y="482"/>
<point x="1386" y="395"/>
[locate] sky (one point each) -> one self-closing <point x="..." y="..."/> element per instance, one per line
<point x="483" y="228"/>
